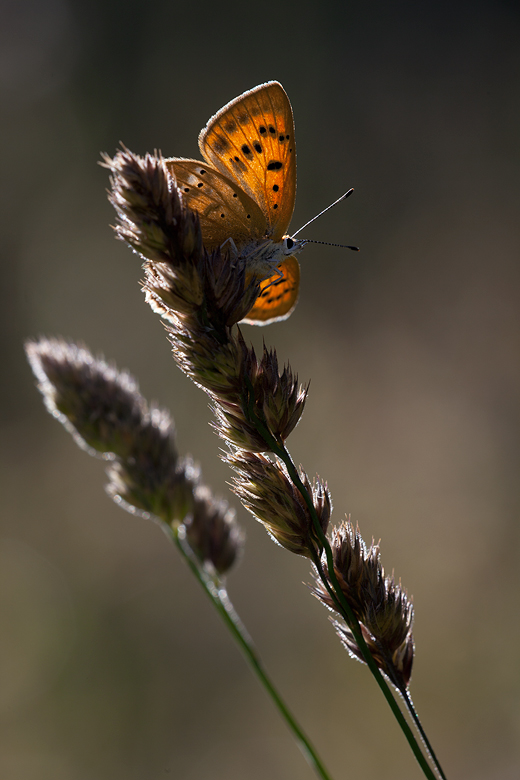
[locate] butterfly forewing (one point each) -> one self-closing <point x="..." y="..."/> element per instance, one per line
<point x="251" y="141"/>
<point x="224" y="209"/>
<point x="278" y="296"/>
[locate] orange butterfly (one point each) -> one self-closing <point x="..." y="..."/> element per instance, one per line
<point x="245" y="191"/>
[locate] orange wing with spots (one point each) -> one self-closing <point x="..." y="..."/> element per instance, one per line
<point x="251" y="142"/>
<point x="278" y="296"/>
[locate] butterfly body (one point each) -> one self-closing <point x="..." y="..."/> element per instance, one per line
<point x="245" y="191"/>
<point x="263" y="257"/>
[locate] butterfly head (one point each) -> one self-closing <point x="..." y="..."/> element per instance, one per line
<point x="263" y="257"/>
<point x="291" y="246"/>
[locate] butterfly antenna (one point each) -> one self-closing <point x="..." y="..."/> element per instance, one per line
<point x="343" y="197"/>
<point x="343" y="246"/>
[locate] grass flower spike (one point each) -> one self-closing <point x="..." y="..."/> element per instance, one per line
<point x="380" y="605"/>
<point x="256" y="406"/>
<point x="203" y="293"/>
<point x="106" y="414"/>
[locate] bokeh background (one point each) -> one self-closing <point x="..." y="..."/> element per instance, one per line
<point x="112" y="663"/>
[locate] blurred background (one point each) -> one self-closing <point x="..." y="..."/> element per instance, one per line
<point x="112" y="663"/>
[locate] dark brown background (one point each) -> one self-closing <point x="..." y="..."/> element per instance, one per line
<point x="113" y="665"/>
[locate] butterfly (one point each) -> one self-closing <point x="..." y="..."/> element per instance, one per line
<point x="244" y="193"/>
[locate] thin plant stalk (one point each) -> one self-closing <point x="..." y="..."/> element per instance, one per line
<point x="220" y="600"/>
<point x="344" y="608"/>
<point x="279" y="449"/>
<point x="107" y="415"/>
<point x="418" y="725"/>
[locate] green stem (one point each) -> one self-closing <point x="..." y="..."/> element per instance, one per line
<point x="220" y="600"/>
<point x="353" y="623"/>
<point x="279" y="449"/>
<point x="418" y="725"/>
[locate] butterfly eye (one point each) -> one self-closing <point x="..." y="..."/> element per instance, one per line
<point x="289" y="243"/>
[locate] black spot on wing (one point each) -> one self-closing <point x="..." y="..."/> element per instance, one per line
<point x="220" y="144"/>
<point x="237" y="163"/>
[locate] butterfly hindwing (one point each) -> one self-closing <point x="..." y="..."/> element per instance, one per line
<point x="251" y="142"/>
<point x="225" y="210"/>
<point x="278" y="296"/>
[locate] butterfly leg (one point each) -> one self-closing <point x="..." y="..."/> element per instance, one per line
<point x="233" y="246"/>
<point x="275" y="278"/>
